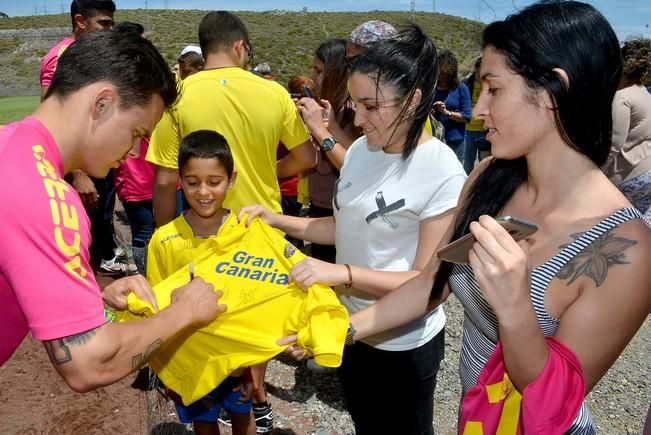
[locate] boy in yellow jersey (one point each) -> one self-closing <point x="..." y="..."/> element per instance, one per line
<point x="206" y="170"/>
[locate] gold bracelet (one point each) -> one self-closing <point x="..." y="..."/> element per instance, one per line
<point x="350" y="277"/>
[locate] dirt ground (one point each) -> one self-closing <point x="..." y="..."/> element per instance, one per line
<point x="35" y="400"/>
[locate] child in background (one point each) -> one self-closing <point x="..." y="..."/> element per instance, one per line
<point x="134" y="184"/>
<point x="206" y="170"/>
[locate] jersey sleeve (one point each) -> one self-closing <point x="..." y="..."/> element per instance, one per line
<point x="165" y="141"/>
<point x="294" y="132"/>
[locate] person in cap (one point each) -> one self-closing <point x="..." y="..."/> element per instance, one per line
<point x="190" y="61"/>
<point x="109" y="90"/>
<point x="366" y="34"/>
<point x="336" y="139"/>
<point x="263" y="70"/>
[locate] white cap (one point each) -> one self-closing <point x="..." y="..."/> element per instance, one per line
<point x="190" y="48"/>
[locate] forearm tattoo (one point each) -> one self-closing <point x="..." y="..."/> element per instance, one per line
<point x="595" y="260"/>
<point x="140" y="358"/>
<point x="59" y="350"/>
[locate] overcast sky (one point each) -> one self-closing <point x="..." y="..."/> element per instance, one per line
<point x="628" y="17"/>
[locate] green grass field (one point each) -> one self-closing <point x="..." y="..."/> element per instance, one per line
<point x="14" y="108"/>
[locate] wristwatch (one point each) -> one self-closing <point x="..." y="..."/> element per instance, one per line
<point x="328" y="143"/>
<point x="350" y="335"/>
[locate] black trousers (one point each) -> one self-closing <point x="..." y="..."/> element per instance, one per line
<point x="392" y="392"/>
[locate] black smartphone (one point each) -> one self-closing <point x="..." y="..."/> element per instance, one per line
<point x="457" y="251"/>
<point x="308" y="92"/>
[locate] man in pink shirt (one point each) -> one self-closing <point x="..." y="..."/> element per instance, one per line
<point x="98" y="195"/>
<point x="87" y="16"/>
<point x="109" y="91"/>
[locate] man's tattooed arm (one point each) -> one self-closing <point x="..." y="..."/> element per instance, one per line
<point x="59" y="350"/>
<point x="595" y="260"/>
<point x="60" y="353"/>
<point x="140" y="359"/>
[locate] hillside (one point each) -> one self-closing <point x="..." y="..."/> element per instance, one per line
<point x="284" y="39"/>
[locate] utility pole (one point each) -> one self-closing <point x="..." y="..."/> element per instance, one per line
<point x="63" y="11"/>
<point x="413" y="11"/>
<point x="433" y="6"/>
<point x="44" y="8"/>
<point x="35" y="9"/>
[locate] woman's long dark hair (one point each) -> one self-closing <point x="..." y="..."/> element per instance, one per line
<point x="335" y="72"/>
<point x="549" y="34"/>
<point x="405" y="64"/>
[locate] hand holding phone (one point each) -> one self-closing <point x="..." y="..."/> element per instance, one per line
<point x="308" y="92"/>
<point x="457" y="251"/>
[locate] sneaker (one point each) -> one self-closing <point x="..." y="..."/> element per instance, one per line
<point x="224" y="418"/>
<point x="264" y="417"/>
<point x="117" y="265"/>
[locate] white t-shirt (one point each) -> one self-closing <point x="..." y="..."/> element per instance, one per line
<point x="380" y="200"/>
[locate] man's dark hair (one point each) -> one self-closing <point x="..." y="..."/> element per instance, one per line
<point x="127" y="61"/>
<point x="219" y="30"/>
<point x="88" y="8"/>
<point x="206" y="144"/>
<point x="130" y="26"/>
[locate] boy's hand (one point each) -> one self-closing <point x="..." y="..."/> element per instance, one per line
<point x="254" y="211"/>
<point x="200" y="299"/>
<point x="115" y="294"/>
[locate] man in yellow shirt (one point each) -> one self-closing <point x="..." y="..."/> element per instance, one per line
<point x="253" y="114"/>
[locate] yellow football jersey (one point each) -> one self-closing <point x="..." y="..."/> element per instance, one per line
<point x="251" y="266"/>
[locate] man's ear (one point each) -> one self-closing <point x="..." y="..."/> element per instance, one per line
<point x="103" y="102"/>
<point x="80" y="22"/>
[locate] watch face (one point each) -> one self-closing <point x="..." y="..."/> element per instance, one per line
<point x="328" y="144"/>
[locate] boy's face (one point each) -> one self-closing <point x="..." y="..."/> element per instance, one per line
<point x="205" y="184"/>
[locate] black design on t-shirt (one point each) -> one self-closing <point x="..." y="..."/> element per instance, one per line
<point x="383" y="209"/>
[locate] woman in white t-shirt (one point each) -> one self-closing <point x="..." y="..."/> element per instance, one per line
<point x="392" y="204"/>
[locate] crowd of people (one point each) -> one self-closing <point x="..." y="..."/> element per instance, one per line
<point x="552" y="126"/>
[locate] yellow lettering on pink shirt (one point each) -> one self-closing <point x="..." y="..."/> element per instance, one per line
<point x="56" y="186"/>
<point x="473" y="428"/>
<point x="45" y="168"/>
<point x="68" y="250"/>
<point x="75" y="268"/>
<point x="54" y="209"/>
<point x="70" y="218"/>
<point x="62" y="213"/>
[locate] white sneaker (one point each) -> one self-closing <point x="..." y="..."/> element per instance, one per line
<point x="118" y="265"/>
